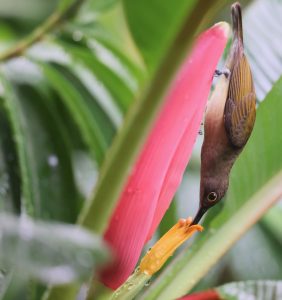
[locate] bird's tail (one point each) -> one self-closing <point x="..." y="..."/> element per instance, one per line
<point x="237" y="21"/>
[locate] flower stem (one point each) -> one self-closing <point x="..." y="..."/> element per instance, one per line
<point x="132" y="286"/>
<point x="55" y="19"/>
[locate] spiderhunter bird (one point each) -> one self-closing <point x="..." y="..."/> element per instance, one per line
<point x="229" y="120"/>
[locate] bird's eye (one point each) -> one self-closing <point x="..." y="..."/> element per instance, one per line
<point x="212" y="196"/>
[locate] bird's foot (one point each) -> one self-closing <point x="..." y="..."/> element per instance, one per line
<point x="226" y="72"/>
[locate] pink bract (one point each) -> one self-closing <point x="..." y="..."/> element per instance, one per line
<point x="164" y="157"/>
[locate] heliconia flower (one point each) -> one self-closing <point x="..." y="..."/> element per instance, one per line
<point x="164" y="157"/>
<point x="206" y="295"/>
<point x="156" y="257"/>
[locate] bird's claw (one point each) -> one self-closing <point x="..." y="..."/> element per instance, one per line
<point x="226" y="72"/>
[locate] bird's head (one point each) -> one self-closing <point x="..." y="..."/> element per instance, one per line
<point x="212" y="190"/>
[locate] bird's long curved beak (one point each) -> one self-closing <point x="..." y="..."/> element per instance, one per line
<point x="200" y="213"/>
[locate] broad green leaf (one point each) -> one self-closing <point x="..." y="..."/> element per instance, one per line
<point x="106" y="73"/>
<point x="265" y="261"/>
<point x="9" y="174"/>
<point x="95" y="127"/>
<point x="114" y="63"/>
<point x="43" y="154"/>
<point x="92" y="7"/>
<point x="22" y="14"/>
<point x="95" y="112"/>
<point x="7" y="36"/>
<point x="121" y="59"/>
<point x="50" y="253"/>
<point x="272" y="223"/>
<point x="255" y="185"/>
<point x="261" y="289"/>
<point x="5" y="279"/>
<point x="112" y="31"/>
<point x="155" y="32"/>
<point x="169" y="219"/>
<point x="112" y="91"/>
<point x="65" y="4"/>
<point x="12" y="107"/>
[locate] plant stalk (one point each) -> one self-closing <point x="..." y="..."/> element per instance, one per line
<point x="50" y="24"/>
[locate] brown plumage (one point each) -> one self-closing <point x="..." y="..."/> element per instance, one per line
<point x="229" y="121"/>
<point x="240" y="107"/>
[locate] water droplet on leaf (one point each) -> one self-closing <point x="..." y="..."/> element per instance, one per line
<point x="53" y="160"/>
<point x="130" y="286"/>
<point x="148" y="283"/>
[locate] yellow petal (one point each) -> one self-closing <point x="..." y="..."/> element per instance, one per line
<point x="166" y="245"/>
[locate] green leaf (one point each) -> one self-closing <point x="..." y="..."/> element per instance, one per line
<point x="95" y="6"/>
<point x="255" y="185"/>
<point x="169" y="219"/>
<point x="86" y="87"/>
<point x="261" y="289"/>
<point x="5" y="279"/>
<point x="50" y="253"/>
<point x="109" y="29"/>
<point x="64" y="4"/>
<point x="27" y="177"/>
<point x="43" y="154"/>
<point x="110" y="71"/>
<point x="120" y="59"/>
<point x="95" y="126"/>
<point x="272" y="223"/>
<point x="266" y="261"/>
<point x="151" y="34"/>
<point x="10" y="198"/>
<point x="112" y="91"/>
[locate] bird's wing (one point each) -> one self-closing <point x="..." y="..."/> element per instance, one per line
<point x="240" y="107"/>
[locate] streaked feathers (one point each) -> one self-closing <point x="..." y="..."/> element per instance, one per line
<point x="240" y="107"/>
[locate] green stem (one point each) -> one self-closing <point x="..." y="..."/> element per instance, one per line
<point x="132" y="286"/>
<point x="179" y="279"/>
<point x="48" y="25"/>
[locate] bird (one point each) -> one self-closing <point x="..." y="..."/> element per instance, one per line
<point x="229" y="120"/>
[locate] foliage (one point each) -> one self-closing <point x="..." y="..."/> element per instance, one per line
<point x="251" y="289"/>
<point x="95" y="72"/>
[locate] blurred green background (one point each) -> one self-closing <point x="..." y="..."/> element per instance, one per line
<point x="95" y="58"/>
